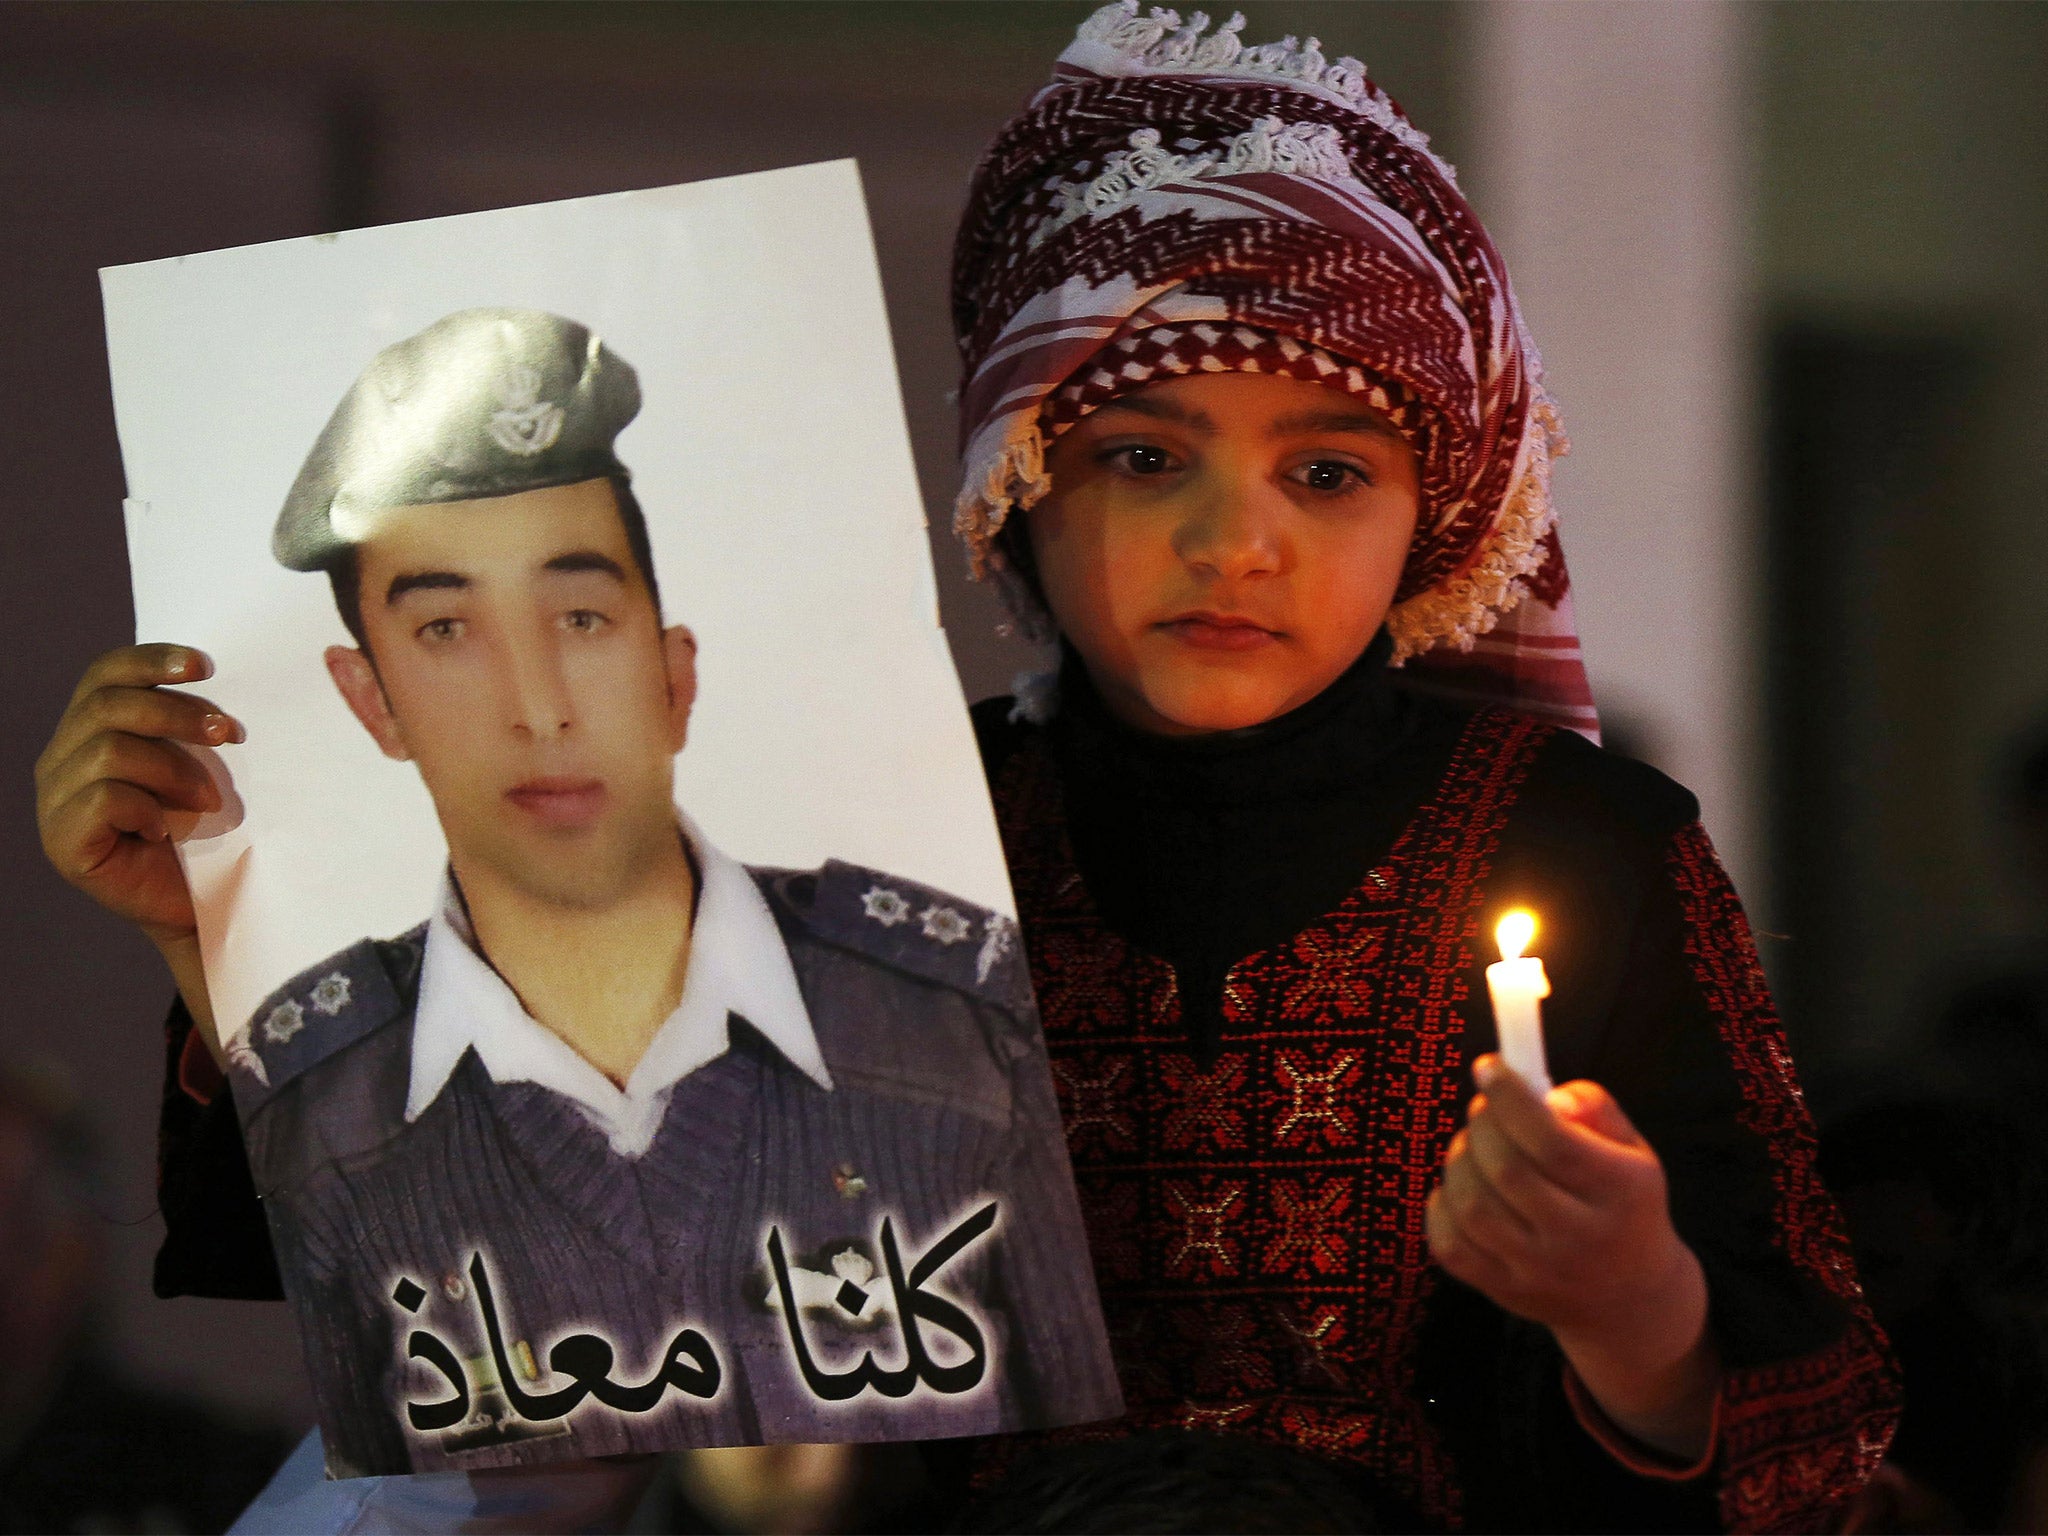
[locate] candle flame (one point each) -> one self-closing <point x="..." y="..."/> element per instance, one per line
<point x="1514" y="932"/>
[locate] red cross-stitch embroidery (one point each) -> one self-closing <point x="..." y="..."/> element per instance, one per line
<point x="1205" y="1245"/>
<point x="1793" y="1435"/>
<point x="1335" y="975"/>
<point x="1309" y="1219"/>
<point x="1312" y="1098"/>
<point x="1111" y="1210"/>
<point x="1312" y="1342"/>
<point x="1280" y="1192"/>
<point x="1090" y="1106"/>
<point x="1230" y="1347"/>
<point x="1212" y="1419"/>
<point x="1206" y="1109"/>
<point x="1304" y="1254"/>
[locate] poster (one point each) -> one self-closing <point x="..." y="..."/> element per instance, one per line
<point x="606" y="923"/>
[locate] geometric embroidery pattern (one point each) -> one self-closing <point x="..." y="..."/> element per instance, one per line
<point x="1308" y="1226"/>
<point x="1793" y="1434"/>
<point x="1312" y="1341"/>
<point x="1205" y="1110"/>
<point x="1332" y="979"/>
<point x="1257" y="1224"/>
<point x="1318" y="1098"/>
<point x="1230" y="1348"/>
<point x="1204" y="1245"/>
<point x="1090" y="1108"/>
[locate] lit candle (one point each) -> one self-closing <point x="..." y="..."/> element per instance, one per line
<point x="1519" y="986"/>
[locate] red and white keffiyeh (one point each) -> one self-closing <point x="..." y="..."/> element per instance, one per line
<point x="1176" y="201"/>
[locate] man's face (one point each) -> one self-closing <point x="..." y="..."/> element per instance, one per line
<point x="516" y="656"/>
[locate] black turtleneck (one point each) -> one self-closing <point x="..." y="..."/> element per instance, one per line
<point x="1205" y="849"/>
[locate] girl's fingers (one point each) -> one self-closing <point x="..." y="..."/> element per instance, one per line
<point x="162" y="768"/>
<point x="1515" y="1178"/>
<point x="149" y="712"/>
<point x="1455" y="1248"/>
<point x="1588" y="1105"/>
<point x="87" y="830"/>
<point x="112" y="841"/>
<point x="146" y="666"/>
<point x="1567" y="1155"/>
<point x="123" y="810"/>
<point x="122" y="691"/>
<point x="1479" y="1205"/>
<point x="172" y="716"/>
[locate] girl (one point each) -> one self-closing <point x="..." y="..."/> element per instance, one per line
<point x="1252" y="424"/>
<point x="1252" y="373"/>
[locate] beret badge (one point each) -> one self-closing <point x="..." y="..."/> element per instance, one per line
<point x="527" y="425"/>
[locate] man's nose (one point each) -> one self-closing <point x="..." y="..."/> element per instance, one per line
<point x="536" y="689"/>
<point x="1231" y="526"/>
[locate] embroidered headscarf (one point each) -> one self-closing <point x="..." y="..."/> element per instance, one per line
<point x="1174" y="201"/>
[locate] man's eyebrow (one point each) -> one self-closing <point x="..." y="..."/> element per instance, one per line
<point x="424" y="581"/>
<point x="1163" y="410"/>
<point x="587" y="560"/>
<point x="1339" y="420"/>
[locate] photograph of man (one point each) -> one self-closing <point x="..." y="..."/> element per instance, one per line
<point x="627" y="1146"/>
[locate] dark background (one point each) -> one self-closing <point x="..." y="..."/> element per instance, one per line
<point x="1898" y="330"/>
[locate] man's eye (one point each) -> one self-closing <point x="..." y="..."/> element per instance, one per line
<point x="1331" y="475"/>
<point x="585" y="620"/>
<point x="1141" y="459"/>
<point x="440" y="631"/>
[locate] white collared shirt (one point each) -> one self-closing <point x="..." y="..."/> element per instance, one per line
<point x="738" y="964"/>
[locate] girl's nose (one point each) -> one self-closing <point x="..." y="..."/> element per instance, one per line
<point x="1231" y="528"/>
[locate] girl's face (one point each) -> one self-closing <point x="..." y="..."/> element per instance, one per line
<point x="1220" y="547"/>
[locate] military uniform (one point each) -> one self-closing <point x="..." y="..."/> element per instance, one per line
<point x="500" y="1256"/>
<point x="940" y="1103"/>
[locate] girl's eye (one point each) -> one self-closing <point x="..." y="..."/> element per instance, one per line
<point x="440" y="631"/>
<point x="1141" y="459"/>
<point x="1331" y="475"/>
<point x="584" y="620"/>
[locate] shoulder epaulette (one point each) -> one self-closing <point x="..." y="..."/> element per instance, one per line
<point x="324" y="1009"/>
<point x="910" y="927"/>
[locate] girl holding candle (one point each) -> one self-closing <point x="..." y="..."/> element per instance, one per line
<point x="1252" y="424"/>
<point x="1252" y="419"/>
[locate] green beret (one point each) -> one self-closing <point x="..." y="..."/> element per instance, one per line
<point x="484" y="402"/>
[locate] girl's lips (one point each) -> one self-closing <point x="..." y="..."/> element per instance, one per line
<point x="560" y="802"/>
<point x="1218" y="632"/>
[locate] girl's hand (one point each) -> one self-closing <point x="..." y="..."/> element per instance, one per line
<point x="1556" y="1209"/>
<point x="114" y="770"/>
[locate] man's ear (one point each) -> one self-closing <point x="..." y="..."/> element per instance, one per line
<point x="362" y="690"/>
<point x="679" y="657"/>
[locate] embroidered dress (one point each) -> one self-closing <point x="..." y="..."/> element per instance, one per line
<point x="1256" y="1212"/>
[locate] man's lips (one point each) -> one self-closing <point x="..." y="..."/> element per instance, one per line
<point x="560" y="801"/>
<point x="1210" y="631"/>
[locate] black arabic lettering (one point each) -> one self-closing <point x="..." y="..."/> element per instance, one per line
<point x="448" y="1411"/>
<point x="588" y="1359"/>
<point x="915" y="1303"/>
<point x="538" y="1407"/>
<point x="914" y="1307"/>
<point x="689" y="1364"/>
<point x="831" y="1386"/>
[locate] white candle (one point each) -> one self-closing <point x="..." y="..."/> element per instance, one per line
<point x="1519" y="986"/>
